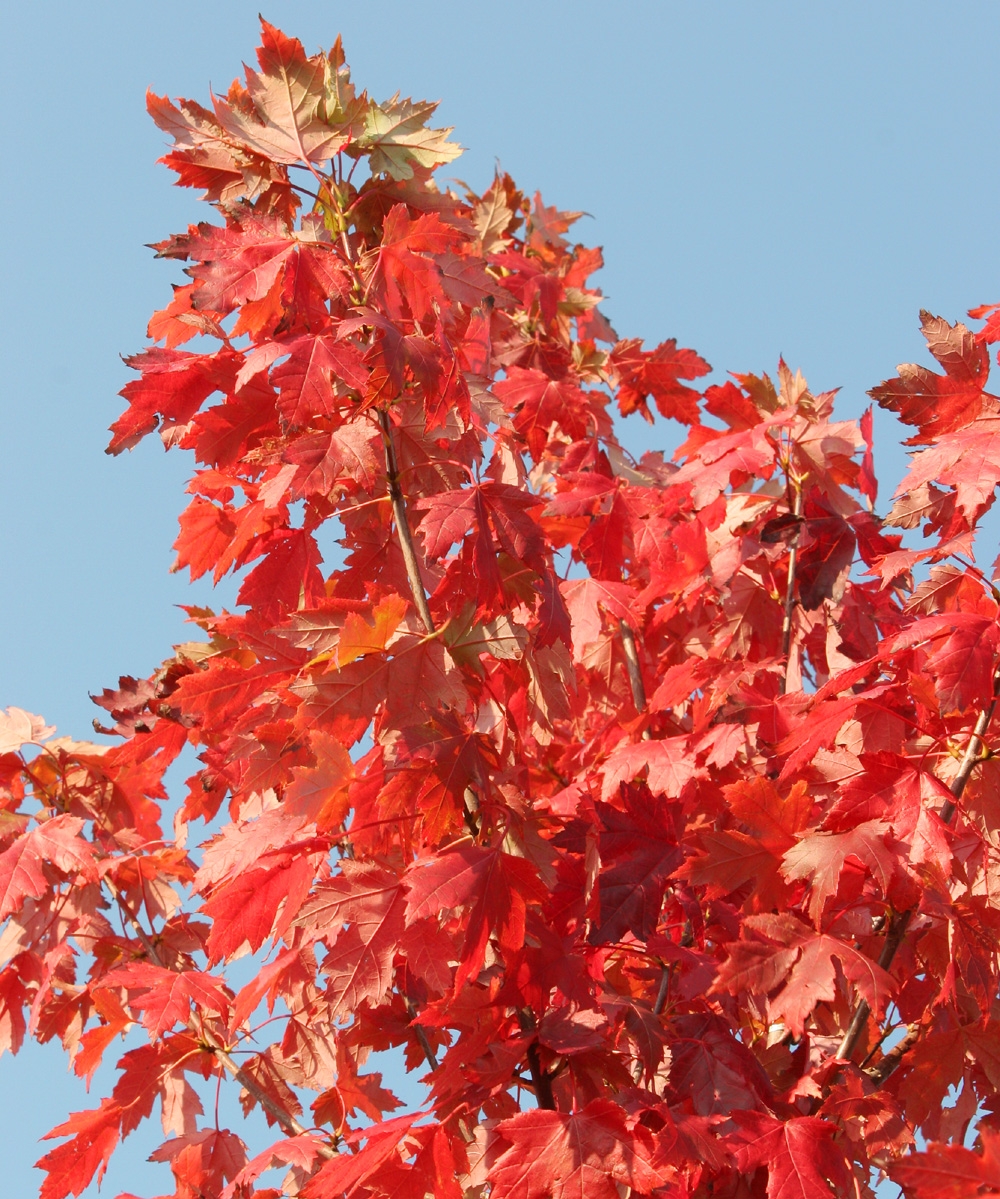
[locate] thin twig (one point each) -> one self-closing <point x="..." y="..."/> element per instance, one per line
<point x="423" y="609"/>
<point x="133" y="919"/>
<point x="421" y="1035"/>
<point x="661" y="999"/>
<point x="405" y="535"/>
<point x="403" y="526"/>
<point x="793" y="560"/>
<point x="634" y="671"/>
<point x="661" y="994"/>
<point x="286" y="1120"/>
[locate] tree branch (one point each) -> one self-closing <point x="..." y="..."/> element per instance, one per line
<point x="891" y="1060"/>
<point x="658" y="1006"/>
<point x="898" y="925"/>
<point x="285" y="1119"/>
<point x="894" y="937"/>
<point x="413" y="568"/>
<point x="971" y="756"/>
<point x="540" y="1081"/>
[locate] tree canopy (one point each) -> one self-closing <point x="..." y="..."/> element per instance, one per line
<point x="646" y="807"/>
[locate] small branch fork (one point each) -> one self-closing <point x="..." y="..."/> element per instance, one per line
<point x="901" y="920"/>
<point x="286" y="1121"/>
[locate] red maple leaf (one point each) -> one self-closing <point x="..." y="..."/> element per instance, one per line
<point x="537" y="402"/>
<point x="496" y="886"/>
<point x="165" y="997"/>
<point x="638" y="852"/>
<point x="801" y="1159"/>
<point x="173" y="386"/>
<point x="305" y="381"/>
<point x="951" y="1171"/>
<point x="55" y="843"/>
<point x="360" y="959"/>
<point x="656" y="374"/>
<point x="556" y="1155"/>
<point x="72" y="1165"/>
<point x="258" y="903"/>
<point x="939" y="404"/>
<point x="960" y="662"/>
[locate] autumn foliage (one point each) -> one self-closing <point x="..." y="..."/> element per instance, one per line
<point x="647" y="808"/>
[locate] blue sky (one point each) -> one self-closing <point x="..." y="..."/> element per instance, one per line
<point x="774" y="178"/>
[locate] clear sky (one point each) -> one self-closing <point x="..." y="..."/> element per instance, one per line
<point x="768" y="178"/>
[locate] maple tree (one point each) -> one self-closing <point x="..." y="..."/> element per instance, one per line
<point x="648" y="808"/>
